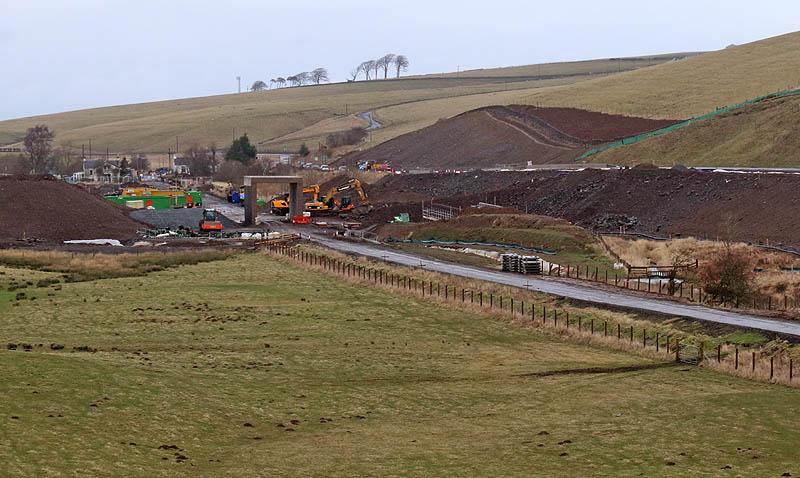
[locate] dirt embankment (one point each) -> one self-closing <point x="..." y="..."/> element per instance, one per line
<point x="746" y="207"/>
<point x="47" y="209"/>
<point x="504" y="135"/>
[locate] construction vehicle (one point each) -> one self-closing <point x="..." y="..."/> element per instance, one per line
<point x="346" y="204"/>
<point x="210" y="221"/>
<point x="328" y="203"/>
<point x="280" y="204"/>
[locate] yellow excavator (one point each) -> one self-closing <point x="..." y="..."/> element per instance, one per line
<point x="280" y="204"/>
<point x="345" y="204"/>
<point x="328" y="203"/>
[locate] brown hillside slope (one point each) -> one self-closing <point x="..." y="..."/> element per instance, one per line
<point x="500" y="135"/>
<point x="690" y="87"/>
<point x="50" y="210"/>
<point x="762" y="135"/>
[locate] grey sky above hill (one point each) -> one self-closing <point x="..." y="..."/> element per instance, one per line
<point x="60" y="55"/>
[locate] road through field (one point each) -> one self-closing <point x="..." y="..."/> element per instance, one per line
<point x="587" y="292"/>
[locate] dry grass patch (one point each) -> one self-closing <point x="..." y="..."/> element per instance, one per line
<point x="769" y="281"/>
<point x="77" y="266"/>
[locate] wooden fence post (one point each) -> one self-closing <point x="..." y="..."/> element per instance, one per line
<point x="754" y="362"/>
<point x="736" y="361"/>
<point x="719" y="353"/>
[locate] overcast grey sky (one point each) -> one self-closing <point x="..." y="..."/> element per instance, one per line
<point x="64" y="55"/>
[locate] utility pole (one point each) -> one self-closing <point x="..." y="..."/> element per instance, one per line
<point x="90" y="149"/>
<point x="239" y="80"/>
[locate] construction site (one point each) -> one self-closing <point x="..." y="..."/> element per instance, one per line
<point x="509" y="253"/>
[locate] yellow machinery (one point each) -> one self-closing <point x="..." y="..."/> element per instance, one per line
<point x="328" y="203"/>
<point x="280" y="204"/>
<point x="346" y="204"/>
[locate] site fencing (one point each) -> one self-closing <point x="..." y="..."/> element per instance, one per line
<point x="439" y="212"/>
<point x="683" y="124"/>
<point x="774" y="366"/>
<point x="670" y="287"/>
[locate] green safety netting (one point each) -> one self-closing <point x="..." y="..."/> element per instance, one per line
<point x="683" y="124"/>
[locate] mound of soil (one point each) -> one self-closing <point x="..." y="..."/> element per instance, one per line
<point x="590" y="126"/>
<point x="745" y="207"/>
<point x="503" y="135"/>
<point x="47" y="209"/>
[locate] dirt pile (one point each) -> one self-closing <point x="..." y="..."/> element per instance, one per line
<point x="746" y="207"/>
<point x="503" y="135"/>
<point x="49" y="210"/>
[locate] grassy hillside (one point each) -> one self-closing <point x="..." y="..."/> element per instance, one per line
<point x="258" y="377"/>
<point x="761" y="135"/>
<point x="689" y="87"/>
<point x="151" y="127"/>
<point x="585" y="67"/>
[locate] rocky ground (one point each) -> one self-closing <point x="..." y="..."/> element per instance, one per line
<point x="745" y="207"/>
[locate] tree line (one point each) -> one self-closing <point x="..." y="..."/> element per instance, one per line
<point x="371" y="68"/>
<point x="315" y="76"/>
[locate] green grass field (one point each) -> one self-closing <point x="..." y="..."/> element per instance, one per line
<point x="250" y="366"/>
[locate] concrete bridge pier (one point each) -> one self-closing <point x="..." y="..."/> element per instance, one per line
<point x="251" y="194"/>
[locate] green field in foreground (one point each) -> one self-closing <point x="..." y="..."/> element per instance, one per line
<point x="250" y="366"/>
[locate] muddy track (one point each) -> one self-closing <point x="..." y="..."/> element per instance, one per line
<point x="530" y="133"/>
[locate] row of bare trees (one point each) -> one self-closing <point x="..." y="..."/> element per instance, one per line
<point x="316" y="77"/>
<point x="371" y="68"/>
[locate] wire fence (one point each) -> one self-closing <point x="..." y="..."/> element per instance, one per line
<point x="674" y="288"/>
<point x="754" y="363"/>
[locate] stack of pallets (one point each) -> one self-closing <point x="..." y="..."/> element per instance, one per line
<point x="522" y="264"/>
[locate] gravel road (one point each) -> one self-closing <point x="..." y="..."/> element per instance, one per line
<point x="587" y="292"/>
